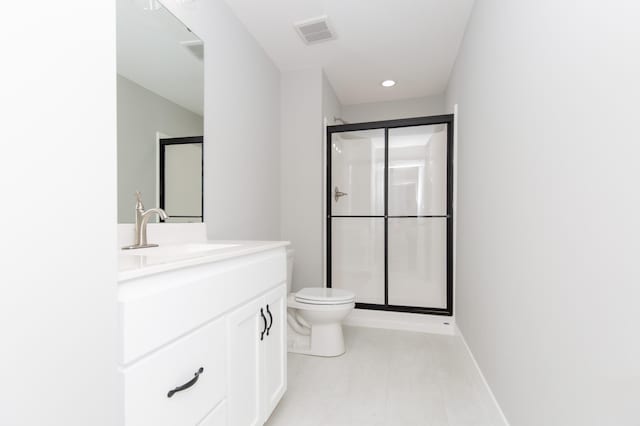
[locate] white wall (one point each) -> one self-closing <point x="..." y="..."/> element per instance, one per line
<point x="307" y="98"/>
<point x="391" y="110"/>
<point x="58" y="221"/>
<point x="301" y="173"/>
<point x="241" y="125"/>
<point x="141" y="114"/>
<point x="548" y="223"/>
<point x="331" y="107"/>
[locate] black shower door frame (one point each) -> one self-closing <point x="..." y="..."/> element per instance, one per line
<point x="386" y="125"/>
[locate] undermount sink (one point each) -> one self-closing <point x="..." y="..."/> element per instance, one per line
<point x="177" y="250"/>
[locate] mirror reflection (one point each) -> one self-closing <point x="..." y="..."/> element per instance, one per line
<point x="160" y="80"/>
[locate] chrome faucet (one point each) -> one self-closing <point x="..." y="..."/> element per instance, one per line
<point x="142" y="218"/>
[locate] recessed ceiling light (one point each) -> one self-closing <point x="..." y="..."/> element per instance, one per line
<point x="388" y="83"/>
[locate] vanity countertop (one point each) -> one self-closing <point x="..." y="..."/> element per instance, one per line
<point x="168" y="257"/>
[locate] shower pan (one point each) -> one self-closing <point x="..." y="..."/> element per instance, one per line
<point x="390" y="214"/>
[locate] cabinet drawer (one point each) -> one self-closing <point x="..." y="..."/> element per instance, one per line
<point x="217" y="417"/>
<point x="148" y="381"/>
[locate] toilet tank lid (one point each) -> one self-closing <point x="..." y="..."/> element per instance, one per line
<point x="327" y="295"/>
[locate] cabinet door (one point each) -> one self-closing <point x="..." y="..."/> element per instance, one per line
<point x="275" y="350"/>
<point x="244" y="326"/>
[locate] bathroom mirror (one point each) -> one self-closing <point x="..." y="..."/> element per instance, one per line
<point x="160" y="81"/>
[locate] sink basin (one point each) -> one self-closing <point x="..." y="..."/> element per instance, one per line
<point x="178" y="250"/>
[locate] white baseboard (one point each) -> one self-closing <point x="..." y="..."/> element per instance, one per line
<point x="401" y="321"/>
<point x="484" y="380"/>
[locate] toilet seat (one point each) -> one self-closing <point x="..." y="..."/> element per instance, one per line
<point x="324" y="296"/>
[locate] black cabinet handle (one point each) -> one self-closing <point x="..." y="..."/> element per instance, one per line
<point x="186" y="385"/>
<point x="264" y="319"/>
<point x="270" y="320"/>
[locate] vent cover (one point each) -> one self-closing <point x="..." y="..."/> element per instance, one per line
<point x="315" y="30"/>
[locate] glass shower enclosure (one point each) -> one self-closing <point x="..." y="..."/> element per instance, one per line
<point x="390" y="214"/>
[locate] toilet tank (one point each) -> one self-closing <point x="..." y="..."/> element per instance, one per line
<point x="290" y="253"/>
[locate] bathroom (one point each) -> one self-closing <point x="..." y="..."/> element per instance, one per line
<point x="541" y="99"/>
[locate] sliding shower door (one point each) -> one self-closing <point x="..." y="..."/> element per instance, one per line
<point x="389" y="218"/>
<point x="357" y="213"/>
<point x="417" y="237"/>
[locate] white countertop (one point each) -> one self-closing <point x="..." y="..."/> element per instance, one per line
<point x="133" y="265"/>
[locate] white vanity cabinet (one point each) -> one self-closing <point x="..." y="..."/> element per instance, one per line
<point x="204" y="343"/>
<point x="257" y="358"/>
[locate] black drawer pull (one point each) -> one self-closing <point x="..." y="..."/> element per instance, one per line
<point x="264" y="319"/>
<point x="270" y="320"/>
<point x="186" y="385"/>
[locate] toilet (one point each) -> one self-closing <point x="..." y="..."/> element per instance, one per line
<point x="314" y="317"/>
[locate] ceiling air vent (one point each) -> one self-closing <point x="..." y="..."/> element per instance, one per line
<point x="315" y="30"/>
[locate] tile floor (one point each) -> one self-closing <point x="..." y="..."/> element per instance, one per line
<point x="387" y="378"/>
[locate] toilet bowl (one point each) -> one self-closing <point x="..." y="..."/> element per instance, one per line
<point x="315" y="317"/>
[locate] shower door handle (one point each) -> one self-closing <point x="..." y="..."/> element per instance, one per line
<point x="337" y="194"/>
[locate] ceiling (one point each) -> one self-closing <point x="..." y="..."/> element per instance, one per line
<point x="151" y="51"/>
<point x="414" y="42"/>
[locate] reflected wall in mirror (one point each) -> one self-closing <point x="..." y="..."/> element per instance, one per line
<point x="160" y="99"/>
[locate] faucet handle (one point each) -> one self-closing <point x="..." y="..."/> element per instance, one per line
<point x="139" y="204"/>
